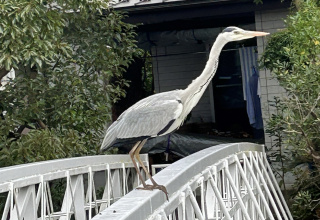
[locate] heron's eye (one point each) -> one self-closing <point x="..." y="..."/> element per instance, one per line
<point x="236" y="32"/>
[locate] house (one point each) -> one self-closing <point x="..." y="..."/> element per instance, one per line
<point x="179" y="35"/>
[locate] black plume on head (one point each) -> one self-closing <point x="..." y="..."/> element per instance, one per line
<point x="229" y="29"/>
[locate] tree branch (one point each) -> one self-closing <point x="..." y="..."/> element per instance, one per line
<point x="312" y="152"/>
<point x="41" y="124"/>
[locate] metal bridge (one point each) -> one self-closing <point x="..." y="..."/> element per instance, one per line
<point x="230" y="181"/>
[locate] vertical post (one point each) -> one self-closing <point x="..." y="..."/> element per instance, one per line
<point x="124" y="178"/>
<point x="202" y="195"/>
<point x="11" y="198"/>
<point x="182" y="199"/>
<point x="14" y="199"/>
<point x="42" y="198"/>
<point x="108" y="184"/>
<point x="68" y="192"/>
<point x="90" y="179"/>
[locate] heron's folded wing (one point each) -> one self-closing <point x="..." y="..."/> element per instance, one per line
<point x="148" y="118"/>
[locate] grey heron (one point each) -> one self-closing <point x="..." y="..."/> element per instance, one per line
<point x="163" y="113"/>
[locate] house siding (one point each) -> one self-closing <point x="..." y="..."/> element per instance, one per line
<point x="175" y="67"/>
<point x="269" y="21"/>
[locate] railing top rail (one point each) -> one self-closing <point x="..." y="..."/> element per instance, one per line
<point x="12" y="173"/>
<point x="139" y="204"/>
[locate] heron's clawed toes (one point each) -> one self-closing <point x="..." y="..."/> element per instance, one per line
<point x="163" y="189"/>
<point x="147" y="187"/>
<point x="156" y="186"/>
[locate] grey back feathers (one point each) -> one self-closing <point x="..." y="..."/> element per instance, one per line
<point x="150" y="117"/>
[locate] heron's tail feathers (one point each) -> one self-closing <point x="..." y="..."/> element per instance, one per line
<point x="109" y="139"/>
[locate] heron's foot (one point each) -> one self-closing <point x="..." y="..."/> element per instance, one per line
<point x="147" y="187"/>
<point x="156" y="186"/>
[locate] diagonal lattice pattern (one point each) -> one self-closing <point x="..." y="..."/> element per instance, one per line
<point x="230" y="181"/>
<point x="75" y="188"/>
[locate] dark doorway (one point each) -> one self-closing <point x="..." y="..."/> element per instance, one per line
<point x="230" y="106"/>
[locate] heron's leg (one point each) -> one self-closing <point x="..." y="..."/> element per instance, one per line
<point x="137" y="154"/>
<point x="155" y="185"/>
<point x="132" y="153"/>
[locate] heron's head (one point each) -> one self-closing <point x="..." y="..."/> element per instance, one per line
<point x="236" y="34"/>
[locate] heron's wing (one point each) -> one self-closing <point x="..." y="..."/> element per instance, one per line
<point x="147" y="118"/>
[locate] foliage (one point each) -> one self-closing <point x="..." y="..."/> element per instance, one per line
<point x="58" y="189"/>
<point x="44" y="144"/>
<point x="306" y="202"/>
<point x="294" y="57"/>
<point x="64" y="54"/>
<point x="296" y="65"/>
<point x="277" y="153"/>
<point x="301" y="207"/>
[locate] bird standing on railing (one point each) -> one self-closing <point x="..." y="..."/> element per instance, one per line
<point x="165" y="112"/>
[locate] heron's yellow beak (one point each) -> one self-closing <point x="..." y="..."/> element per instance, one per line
<point x="255" y="33"/>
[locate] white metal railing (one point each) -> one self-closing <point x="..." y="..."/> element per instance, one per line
<point x="230" y="181"/>
<point x="74" y="188"/>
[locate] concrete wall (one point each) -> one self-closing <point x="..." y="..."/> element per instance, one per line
<point x="269" y="21"/>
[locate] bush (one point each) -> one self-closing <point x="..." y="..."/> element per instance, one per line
<point x="294" y="57"/>
<point x="65" y="54"/>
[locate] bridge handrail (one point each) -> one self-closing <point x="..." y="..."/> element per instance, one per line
<point x="27" y="187"/>
<point x="21" y="173"/>
<point x="209" y="170"/>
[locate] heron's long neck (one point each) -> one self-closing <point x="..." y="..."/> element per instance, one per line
<point x="199" y="85"/>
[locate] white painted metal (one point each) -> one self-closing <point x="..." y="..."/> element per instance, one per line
<point x="89" y="185"/>
<point x="231" y="181"/>
<point x="155" y="168"/>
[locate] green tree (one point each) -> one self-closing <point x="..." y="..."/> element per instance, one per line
<point x="69" y="56"/>
<point x="294" y="57"/>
